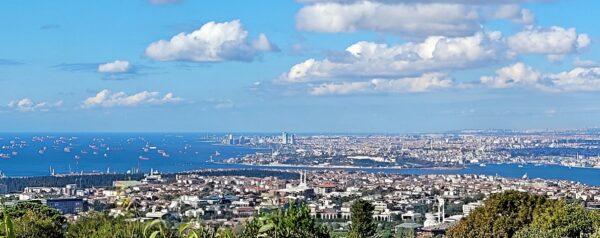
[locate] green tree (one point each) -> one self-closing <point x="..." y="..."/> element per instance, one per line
<point x="524" y="215"/>
<point x="571" y="220"/>
<point x="529" y="232"/>
<point x="362" y="220"/>
<point x="502" y="215"/>
<point x="101" y="225"/>
<point x="31" y="219"/>
<point x="292" y="222"/>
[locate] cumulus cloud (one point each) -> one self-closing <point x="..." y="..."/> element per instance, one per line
<point x="472" y="2"/>
<point x="426" y="82"/>
<point x="410" y="19"/>
<point x="517" y="74"/>
<point x="578" y="79"/>
<point x="554" y="42"/>
<point x="521" y="75"/>
<point x="117" y="66"/>
<point x="106" y="98"/>
<point x="28" y="105"/>
<point x="372" y="60"/>
<point x="213" y="42"/>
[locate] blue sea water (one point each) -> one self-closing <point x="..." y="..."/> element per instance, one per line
<point x="182" y="152"/>
<point x="35" y="154"/>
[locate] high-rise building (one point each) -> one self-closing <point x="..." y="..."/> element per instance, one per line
<point x="292" y="139"/>
<point x="284" y="138"/>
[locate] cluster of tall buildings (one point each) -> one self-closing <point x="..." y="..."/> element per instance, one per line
<point x="287" y="138"/>
<point x="231" y="140"/>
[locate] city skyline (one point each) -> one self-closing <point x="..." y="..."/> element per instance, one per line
<point x="305" y="66"/>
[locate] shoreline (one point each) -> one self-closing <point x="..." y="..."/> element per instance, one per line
<point x="248" y="166"/>
<point x="336" y="166"/>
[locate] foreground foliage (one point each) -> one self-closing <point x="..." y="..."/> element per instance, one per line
<point x="509" y="214"/>
<point x="29" y="219"/>
<point x="101" y="225"/>
<point x="293" y="222"/>
<point x="524" y="215"/>
<point x="36" y="220"/>
<point x="362" y="220"/>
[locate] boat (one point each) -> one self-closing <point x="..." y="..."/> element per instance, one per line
<point x="482" y="165"/>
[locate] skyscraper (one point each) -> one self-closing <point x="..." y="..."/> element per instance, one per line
<point x="284" y="138"/>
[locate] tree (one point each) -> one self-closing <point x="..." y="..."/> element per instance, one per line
<point x="521" y="215"/>
<point x="292" y="222"/>
<point x="100" y="225"/>
<point x="30" y="219"/>
<point x="562" y="220"/>
<point x="362" y="220"/>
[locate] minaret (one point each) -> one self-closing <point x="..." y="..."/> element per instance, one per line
<point x="304" y="178"/>
<point x="441" y="209"/>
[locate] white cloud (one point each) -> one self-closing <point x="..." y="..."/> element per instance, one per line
<point x="426" y="82"/>
<point x="106" y="98"/>
<point x="521" y="75"/>
<point x="517" y="74"/>
<point x="410" y="19"/>
<point x="213" y="42"/>
<point x="372" y="60"/>
<point x="28" y="105"/>
<point x="578" y="79"/>
<point x="555" y="42"/>
<point x="473" y="2"/>
<point x="117" y="66"/>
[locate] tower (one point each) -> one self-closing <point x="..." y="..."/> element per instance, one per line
<point x="441" y="209"/>
<point x="284" y="138"/>
<point x="302" y="178"/>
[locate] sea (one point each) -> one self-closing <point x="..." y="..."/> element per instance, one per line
<point x="44" y="154"/>
<point x="39" y="154"/>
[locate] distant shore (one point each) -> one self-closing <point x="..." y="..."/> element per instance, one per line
<point x="277" y="165"/>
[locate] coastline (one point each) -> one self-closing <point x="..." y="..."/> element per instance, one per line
<point x="277" y="165"/>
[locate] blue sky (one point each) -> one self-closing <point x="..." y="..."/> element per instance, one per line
<point x="298" y="65"/>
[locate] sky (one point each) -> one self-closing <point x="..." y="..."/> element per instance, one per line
<point x="305" y="66"/>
